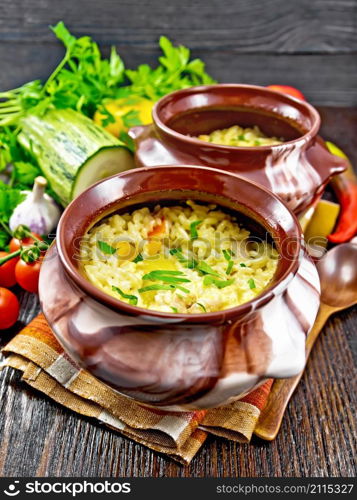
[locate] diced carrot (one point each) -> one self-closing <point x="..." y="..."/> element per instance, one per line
<point x="158" y="230"/>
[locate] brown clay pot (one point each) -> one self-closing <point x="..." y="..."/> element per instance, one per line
<point x="297" y="170"/>
<point x="181" y="361"/>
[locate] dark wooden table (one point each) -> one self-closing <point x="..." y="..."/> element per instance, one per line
<point x="38" y="437"/>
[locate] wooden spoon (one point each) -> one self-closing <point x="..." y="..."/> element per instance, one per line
<point x="338" y="276"/>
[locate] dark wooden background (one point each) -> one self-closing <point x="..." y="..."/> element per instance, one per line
<point x="311" y="44"/>
<point x="307" y="43"/>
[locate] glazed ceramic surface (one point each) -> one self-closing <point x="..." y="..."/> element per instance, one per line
<point x="297" y="170"/>
<point x="181" y="361"/>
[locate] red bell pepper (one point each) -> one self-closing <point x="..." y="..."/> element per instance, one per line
<point x="344" y="185"/>
<point x="345" y="188"/>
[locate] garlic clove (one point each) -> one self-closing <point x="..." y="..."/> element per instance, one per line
<point x="38" y="210"/>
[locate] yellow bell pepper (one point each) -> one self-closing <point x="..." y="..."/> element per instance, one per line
<point x="322" y="223"/>
<point x="127" y="112"/>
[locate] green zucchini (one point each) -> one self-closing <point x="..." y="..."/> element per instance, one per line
<point x="72" y="151"/>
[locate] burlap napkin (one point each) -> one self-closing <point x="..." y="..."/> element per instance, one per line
<point x="46" y="367"/>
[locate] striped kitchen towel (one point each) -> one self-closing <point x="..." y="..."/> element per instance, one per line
<point x="46" y="367"/>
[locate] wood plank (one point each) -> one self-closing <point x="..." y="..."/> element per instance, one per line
<point x="324" y="79"/>
<point x="303" y="26"/>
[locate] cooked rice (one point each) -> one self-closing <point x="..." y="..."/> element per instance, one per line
<point x="239" y="136"/>
<point x="214" y="241"/>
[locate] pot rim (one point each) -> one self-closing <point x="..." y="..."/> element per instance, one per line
<point x="220" y="147"/>
<point x="217" y="317"/>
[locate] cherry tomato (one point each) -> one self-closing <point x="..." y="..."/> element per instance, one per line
<point x="27" y="275"/>
<point x="15" y="244"/>
<point x="286" y="89"/>
<point x="7" y="271"/>
<point x="9" y="308"/>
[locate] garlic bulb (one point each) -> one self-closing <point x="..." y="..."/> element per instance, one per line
<point x="38" y="211"/>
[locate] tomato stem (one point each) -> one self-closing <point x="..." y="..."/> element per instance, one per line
<point x="9" y="257"/>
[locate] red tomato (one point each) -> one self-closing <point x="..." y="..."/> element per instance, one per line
<point x="27" y="275"/>
<point x="9" y="308"/>
<point x="286" y="89"/>
<point x="15" y="244"/>
<point x="7" y="271"/>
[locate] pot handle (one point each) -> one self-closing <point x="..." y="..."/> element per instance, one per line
<point x="136" y="132"/>
<point x="325" y="163"/>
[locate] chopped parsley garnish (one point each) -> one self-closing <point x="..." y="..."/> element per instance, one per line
<point x="193" y="229"/>
<point x="185" y="290"/>
<point x="210" y="280"/>
<point x="230" y="267"/>
<point x="105" y="248"/>
<point x="174" y="309"/>
<point x="206" y="269"/>
<point x="241" y="137"/>
<point x="138" y="258"/>
<point x="162" y="287"/>
<point x="171" y="277"/>
<point x="242" y="265"/>
<point x="190" y="263"/>
<point x="201" y="306"/>
<point x="251" y="283"/>
<point x="133" y="300"/>
<point x="227" y="255"/>
<point x="167" y="276"/>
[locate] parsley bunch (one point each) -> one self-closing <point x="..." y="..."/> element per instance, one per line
<point x="84" y="79"/>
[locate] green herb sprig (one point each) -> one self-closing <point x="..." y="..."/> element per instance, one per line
<point x="138" y="258"/>
<point x="201" y="306"/>
<point x="163" y="287"/>
<point x="206" y="269"/>
<point x="106" y="248"/>
<point x="210" y="280"/>
<point x="133" y="299"/>
<point x="193" y="229"/>
<point x="189" y="263"/>
<point x="172" y="277"/>
<point x="251" y="284"/>
<point x="228" y="256"/>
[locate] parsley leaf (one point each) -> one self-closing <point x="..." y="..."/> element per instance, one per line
<point x="189" y="263"/>
<point x="251" y="283"/>
<point x="25" y="173"/>
<point x="193" y="229"/>
<point x="9" y="199"/>
<point x="163" y="287"/>
<point x="227" y="254"/>
<point x="131" y="118"/>
<point x="166" y="276"/>
<point x="138" y="258"/>
<point x="229" y="267"/>
<point x="210" y="280"/>
<point x="206" y="269"/>
<point x="105" y="248"/>
<point x="4" y="238"/>
<point x="127" y="140"/>
<point x="133" y="300"/>
<point x="156" y="287"/>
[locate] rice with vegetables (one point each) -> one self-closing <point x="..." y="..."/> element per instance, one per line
<point x="177" y="259"/>
<point x="239" y="136"/>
